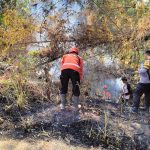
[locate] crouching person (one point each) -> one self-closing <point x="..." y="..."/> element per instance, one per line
<point x="143" y="86"/>
<point x="126" y="91"/>
<point x="71" y="69"/>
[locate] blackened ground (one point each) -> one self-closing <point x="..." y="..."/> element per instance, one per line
<point x="99" y="123"/>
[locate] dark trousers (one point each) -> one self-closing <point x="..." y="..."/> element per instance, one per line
<point x="142" y="88"/>
<point x="66" y="75"/>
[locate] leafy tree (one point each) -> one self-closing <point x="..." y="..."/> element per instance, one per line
<point x="124" y="25"/>
<point x="16" y="28"/>
<point x="7" y="3"/>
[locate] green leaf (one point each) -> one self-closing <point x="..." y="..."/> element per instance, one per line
<point x="1" y="19"/>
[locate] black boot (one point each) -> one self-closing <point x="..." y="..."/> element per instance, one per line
<point x="146" y="109"/>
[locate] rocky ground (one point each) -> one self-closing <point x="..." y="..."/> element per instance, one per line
<point x="100" y="124"/>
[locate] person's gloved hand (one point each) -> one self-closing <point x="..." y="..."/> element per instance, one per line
<point x="147" y="64"/>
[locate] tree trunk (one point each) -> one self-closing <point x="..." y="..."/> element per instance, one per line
<point x="48" y="81"/>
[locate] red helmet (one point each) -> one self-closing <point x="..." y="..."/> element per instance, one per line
<point x="104" y="86"/>
<point x="74" y="49"/>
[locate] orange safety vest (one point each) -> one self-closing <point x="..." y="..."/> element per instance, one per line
<point x="74" y="62"/>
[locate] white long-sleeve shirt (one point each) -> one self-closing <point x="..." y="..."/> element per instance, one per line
<point x="125" y="91"/>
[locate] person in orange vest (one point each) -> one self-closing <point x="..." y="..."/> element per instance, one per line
<point x="71" y="68"/>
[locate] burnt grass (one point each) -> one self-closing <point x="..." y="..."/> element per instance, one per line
<point x="85" y="132"/>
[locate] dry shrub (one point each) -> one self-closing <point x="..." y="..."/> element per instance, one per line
<point x="35" y="91"/>
<point x="29" y="92"/>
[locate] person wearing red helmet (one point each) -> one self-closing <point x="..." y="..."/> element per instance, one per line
<point x="71" y="68"/>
